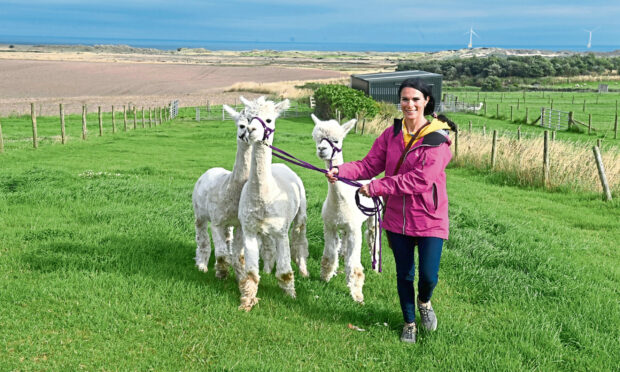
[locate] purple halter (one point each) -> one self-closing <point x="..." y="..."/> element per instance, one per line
<point x="334" y="149"/>
<point x="268" y="131"/>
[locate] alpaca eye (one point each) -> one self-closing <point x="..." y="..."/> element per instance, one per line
<point x="242" y="126"/>
<point x="268" y="120"/>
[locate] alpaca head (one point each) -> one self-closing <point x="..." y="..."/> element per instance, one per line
<point x="241" y="120"/>
<point x="261" y="116"/>
<point x="329" y="136"/>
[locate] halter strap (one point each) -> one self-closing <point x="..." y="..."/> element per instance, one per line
<point x="268" y="131"/>
<point x="334" y="149"/>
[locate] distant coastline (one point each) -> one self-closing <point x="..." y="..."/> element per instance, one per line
<point x="325" y="46"/>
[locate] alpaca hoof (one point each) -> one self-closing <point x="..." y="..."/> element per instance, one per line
<point x="303" y="270"/>
<point x="326" y="277"/>
<point x="248" y="303"/>
<point x="202" y="267"/>
<point x="358" y="297"/>
<point x="221" y="274"/>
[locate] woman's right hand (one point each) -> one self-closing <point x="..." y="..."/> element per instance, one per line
<point x="331" y="175"/>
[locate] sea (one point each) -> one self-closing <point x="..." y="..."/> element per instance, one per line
<point x="283" y="45"/>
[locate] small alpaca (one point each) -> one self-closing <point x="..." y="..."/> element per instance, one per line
<point x="340" y="213"/>
<point x="216" y="200"/>
<point x="272" y="201"/>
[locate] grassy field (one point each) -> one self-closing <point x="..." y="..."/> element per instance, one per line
<point x="601" y="106"/>
<point x="97" y="270"/>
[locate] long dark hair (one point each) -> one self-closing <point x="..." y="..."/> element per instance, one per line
<point x="426" y="90"/>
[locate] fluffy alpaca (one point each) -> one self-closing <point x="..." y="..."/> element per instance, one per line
<point x="340" y="213"/>
<point x="216" y="200"/>
<point x="271" y="201"/>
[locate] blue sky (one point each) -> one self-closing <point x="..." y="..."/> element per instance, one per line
<point x="525" y="23"/>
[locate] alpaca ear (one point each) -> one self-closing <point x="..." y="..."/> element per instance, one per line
<point x="245" y="101"/>
<point x="231" y="112"/>
<point x="348" y="125"/>
<point x="316" y="120"/>
<point x="282" y="106"/>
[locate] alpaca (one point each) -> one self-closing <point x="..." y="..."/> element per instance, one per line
<point x="216" y="200"/>
<point x="340" y="213"/>
<point x="271" y="201"/>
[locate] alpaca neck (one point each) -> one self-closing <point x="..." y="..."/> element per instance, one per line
<point x="261" y="178"/>
<point x="335" y="191"/>
<point x="241" y="169"/>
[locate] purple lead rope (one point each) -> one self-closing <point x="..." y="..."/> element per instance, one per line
<point x="367" y="211"/>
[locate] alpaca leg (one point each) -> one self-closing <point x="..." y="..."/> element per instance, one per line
<point x="299" y="242"/>
<point x="203" y="245"/>
<point x="268" y="253"/>
<point x="284" y="271"/>
<point x="222" y="237"/>
<point x="353" y="266"/>
<point x="248" y="284"/>
<point x="237" y="257"/>
<point x="372" y="240"/>
<point x="329" y="262"/>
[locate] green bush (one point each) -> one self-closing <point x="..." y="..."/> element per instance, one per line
<point x="348" y="101"/>
<point x="491" y="83"/>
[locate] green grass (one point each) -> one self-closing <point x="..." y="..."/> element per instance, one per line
<point x="602" y="107"/>
<point x="97" y="270"/>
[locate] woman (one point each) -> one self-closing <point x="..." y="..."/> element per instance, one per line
<point x="414" y="190"/>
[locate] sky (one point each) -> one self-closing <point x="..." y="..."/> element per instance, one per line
<point x="524" y="23"/>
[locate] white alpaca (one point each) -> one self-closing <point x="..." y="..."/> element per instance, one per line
<point x="271" y="201"/>
<point x="216" y="200"/>
<point x="340" y="212"/>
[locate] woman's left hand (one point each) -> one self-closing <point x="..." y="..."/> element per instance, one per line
<point x="365" y="190"/>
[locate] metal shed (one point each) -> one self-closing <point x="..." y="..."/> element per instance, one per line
<point x="384" y="86"/>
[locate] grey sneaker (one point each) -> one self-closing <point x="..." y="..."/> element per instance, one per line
<point x="428" y="320"/>
<point x="409" y="333"/>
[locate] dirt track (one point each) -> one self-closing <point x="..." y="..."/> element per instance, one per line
<point x="48" y="83"/>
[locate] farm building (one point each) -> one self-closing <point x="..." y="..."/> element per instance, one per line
<point x="384" y="86"/>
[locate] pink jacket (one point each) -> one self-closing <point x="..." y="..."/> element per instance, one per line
<point x="418" y="199"/>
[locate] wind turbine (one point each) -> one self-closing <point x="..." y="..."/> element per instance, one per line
<point x="590" y="37"/>
<point x="471" y="33"/>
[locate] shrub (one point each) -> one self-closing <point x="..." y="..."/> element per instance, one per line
<point x="348" y="101"/>
<point x="491" y="83"/>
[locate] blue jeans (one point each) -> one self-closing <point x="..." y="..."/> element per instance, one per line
<point x="429" y="255"/>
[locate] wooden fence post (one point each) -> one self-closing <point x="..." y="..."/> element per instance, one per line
<point x="456" y="141"/>
<point x="363" y="125"/>
<point x="553" y="136"/>
<point x="527" y="115"/>
<point x="142" y="117"/>
<point x="160" y="115"/>
<point x="546" y="160"/>
<point x="493" y="149"/>
<point x="584" y="105"/>
<point x="519" y="133"/>
<point x="63" y="134"/>
<point x="470" y="126"/>
<point x="570" y="119"/>
<point x="511" y="107"/>
<point x="33" y="117"/>
<point x="601" y="173"/>
<point x="125" y="118"/>
<point x="518" y="103"/>
<point x="135" y="118"/>
<point x="150" y="117"/>
<point x="589" y="123"/>
<point x="598" y="143"/>
<point x="100" y="121"/>
<point x="113" y="121"/>
<point x="542" y="116"/>
<point x="84" y="122"/>
<point x="1" y="140"/>
<point x="485" y="107"/>
<point x="616" y="127"/>
<point x="497" y="110"/>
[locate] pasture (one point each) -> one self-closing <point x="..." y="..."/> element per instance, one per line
<point x="97" y="269"/>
